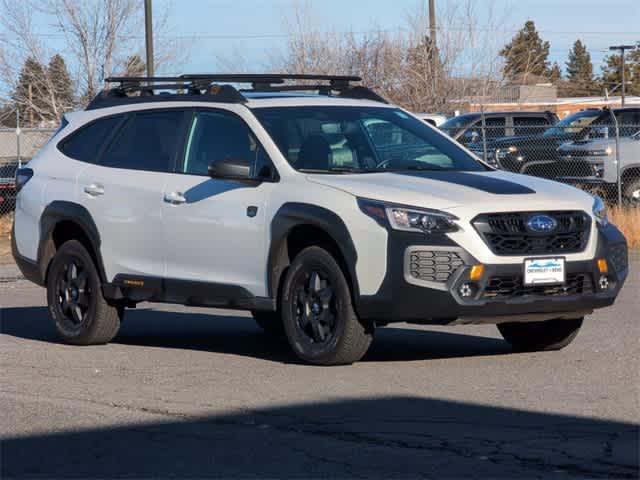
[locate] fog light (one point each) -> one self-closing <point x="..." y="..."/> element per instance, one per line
<point x="467" y="290"/>
<point x="476" y="272"/>
<point x="604" y="283"/>
<point x="602" y="265"/>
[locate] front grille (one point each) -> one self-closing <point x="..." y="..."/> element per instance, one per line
<point x="433" y="266"/>
<point x="618" y="256"/>
<point x="577" y="169"/>
<point x="512" y="286"/>
<point x="508" y="234"/>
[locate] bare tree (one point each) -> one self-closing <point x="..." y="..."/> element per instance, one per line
<point x="100" y="35"/>
<point x="402" y="64"/>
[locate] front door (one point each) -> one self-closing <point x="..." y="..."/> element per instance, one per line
<point x="215" y="230"/>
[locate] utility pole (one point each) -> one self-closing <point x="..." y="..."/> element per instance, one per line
<point x="30" y="105"/>
<point x="148" y="30"/>
<point x="621" y="49"/>
<point x="432" y="22"/>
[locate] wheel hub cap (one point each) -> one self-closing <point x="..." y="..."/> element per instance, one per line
<point x="315" y="308"/>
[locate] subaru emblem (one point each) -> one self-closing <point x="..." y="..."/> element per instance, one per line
<point x="542" y="223"/>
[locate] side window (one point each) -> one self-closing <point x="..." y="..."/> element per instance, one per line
<point x="216" y="136"/>
<point x="628" y="122"/>
<point x="494" y="127"/>
<point x="530" y="125"/>
<point x="85" y="144"/>
<point x="148" y="141"/>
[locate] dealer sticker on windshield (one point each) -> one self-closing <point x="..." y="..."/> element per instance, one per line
<point x="544" y="271"/>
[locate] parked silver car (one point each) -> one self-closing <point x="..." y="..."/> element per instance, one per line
<point x="598" y="157"/>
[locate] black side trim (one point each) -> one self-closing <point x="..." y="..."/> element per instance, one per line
<point x="184" y="292"/>
<point x="485" y="183"/>
<point x="57" y="212"/>
<point x="291" y="215"/>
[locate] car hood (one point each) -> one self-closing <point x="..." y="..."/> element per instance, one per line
<point x="592" y="144"/>
<point x="475" y="191"/>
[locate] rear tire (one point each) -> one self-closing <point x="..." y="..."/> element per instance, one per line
<point x="540" y="336"/>
<point x="270" y="322"/>
<point x="317" y="312"/>
<point x="79" y="311"/>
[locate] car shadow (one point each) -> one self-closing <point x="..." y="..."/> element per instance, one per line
<point x="239" y="335"/>
<point x="388" y="437"/>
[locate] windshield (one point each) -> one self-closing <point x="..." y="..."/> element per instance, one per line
<point x="573" y="123"/>
<point x="327" y="139"/>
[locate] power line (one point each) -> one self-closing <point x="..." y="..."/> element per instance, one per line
<point x="261" y="36"/>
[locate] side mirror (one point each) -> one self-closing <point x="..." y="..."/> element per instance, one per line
<point x="230" y="168"/>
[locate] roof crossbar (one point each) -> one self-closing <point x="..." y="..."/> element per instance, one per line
<point x="218" y="88"/>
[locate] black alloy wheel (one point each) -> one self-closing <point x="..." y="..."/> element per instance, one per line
<point x="318" y="316"/>
<point x="77" y="307"/>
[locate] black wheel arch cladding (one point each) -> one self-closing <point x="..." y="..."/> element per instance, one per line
<point x="64" y="211"/>
<point x="292" y="215"/>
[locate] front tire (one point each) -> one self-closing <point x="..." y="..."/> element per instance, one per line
<point x="631" y="192"/>
<point x="317" y="312"/>
<point x="540" y="336"/>
<point x="79" y="311"/>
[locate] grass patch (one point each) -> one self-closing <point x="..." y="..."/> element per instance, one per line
<point x="5" y="238"/>
<point x="628" y="221"/>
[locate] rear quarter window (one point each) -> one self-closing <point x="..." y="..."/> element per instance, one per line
<point x="86" y="143"/>
<point x="148" y="141"/>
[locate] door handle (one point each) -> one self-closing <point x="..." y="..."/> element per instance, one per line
<point x="175" y="198"/>
<point x="94" y="190"/>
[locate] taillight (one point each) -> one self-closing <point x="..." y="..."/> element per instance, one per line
<point x="23" y="175"/>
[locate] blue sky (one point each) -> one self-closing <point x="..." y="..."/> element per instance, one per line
<point x="218" y="28"/>
<point x="598" y="23"/>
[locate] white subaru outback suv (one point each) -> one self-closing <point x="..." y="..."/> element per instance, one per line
<point x="321" y="208"/>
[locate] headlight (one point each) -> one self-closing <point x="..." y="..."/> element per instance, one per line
<point x="600" y="211"/>
<point x="603" y="152"/>
<point x="409" y="219"/>
<point x="502" y="153"/>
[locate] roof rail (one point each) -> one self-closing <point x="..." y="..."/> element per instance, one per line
<point x="216" y="88"/>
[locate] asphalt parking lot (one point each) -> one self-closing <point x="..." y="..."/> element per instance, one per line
<point x="199" y="393"/>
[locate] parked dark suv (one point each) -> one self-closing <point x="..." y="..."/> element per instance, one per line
<point x="7" y="186"/>
<point x="468" y="128"/>
<point x="521" y="153"/>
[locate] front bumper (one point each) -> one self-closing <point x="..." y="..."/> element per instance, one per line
<point x="401" y="299"/>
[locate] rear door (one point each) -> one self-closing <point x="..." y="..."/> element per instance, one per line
<point x="123" y="192"/>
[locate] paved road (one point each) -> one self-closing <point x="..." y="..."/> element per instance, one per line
<point x="194" y="392"/>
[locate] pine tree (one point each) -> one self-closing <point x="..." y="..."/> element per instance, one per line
<point x="526" y="56"/>
<point x="134" y="67"/>
<point x="611" y="77"/>
<point x="60" y="82"/>
<point x="580" y="80"/>
<point x="31" y="93"/>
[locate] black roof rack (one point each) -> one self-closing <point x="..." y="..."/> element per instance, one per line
<point x="217" y="88"/>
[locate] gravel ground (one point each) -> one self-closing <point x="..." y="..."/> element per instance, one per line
<point x="199" y="393"/>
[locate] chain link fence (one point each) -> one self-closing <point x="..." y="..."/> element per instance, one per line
<point x="602" y="157"/>
<point x="17" y="147"/>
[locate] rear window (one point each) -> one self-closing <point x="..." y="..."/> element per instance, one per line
<point x="148" y="141"/>
<point x="86" y="143"/>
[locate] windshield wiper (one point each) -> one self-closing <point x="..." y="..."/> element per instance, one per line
<point x="431" y="168"/>
<point x="337" y="170"/>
